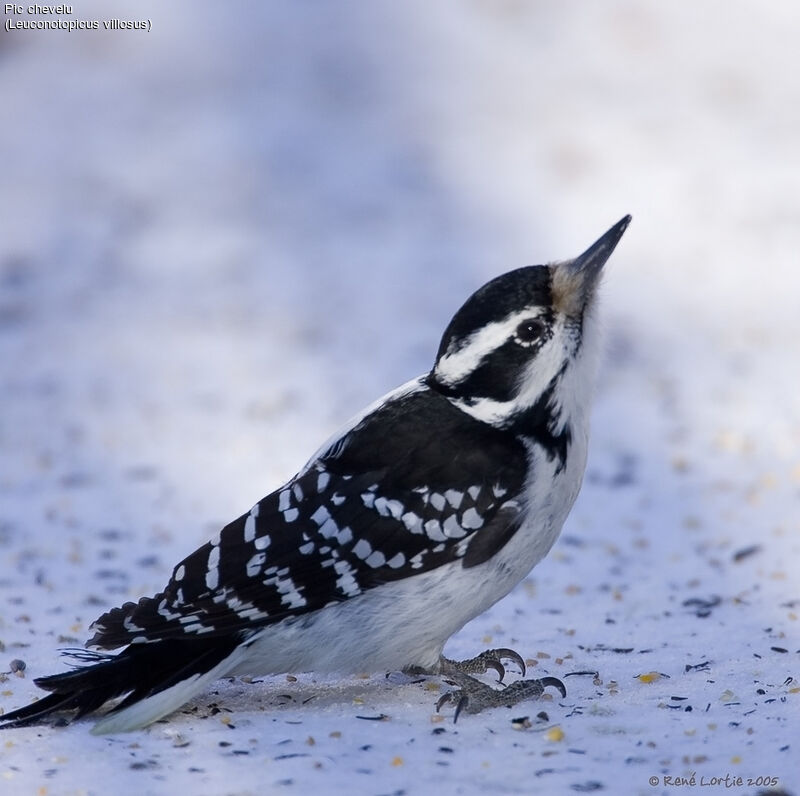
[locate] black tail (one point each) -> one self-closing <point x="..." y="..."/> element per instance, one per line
<point x="138" y="673"/>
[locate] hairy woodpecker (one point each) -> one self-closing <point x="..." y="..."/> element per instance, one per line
<point x="426" y="509"/>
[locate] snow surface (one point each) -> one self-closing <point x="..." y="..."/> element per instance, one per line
<point x="220" y="239"/>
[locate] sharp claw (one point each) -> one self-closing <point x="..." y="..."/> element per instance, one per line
<point x="462" y="703"/>
<point x="512" y="656"/>
<point x="498" y="667"/>
<point x="450" y="696"/>
<point x="556" y="683"/>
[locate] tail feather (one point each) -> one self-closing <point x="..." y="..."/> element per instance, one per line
<point x="155" y="679"/>
<point x="162" y="702"/>
<point x="196" y="667"/>
<point x="88" y="704"/>
<point x="33" y="713"/>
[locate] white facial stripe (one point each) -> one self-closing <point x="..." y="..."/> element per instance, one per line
<point x="454" y="367"/>
<point x="534" y="382"/>
<point x="540" y="372"/>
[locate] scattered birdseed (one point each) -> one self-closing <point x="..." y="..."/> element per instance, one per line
<point x="700" y="607"/>
<point x="746" y="552"/>
<point x="648" y="677"/>
<point x="17" y="667"/>
<point x="555" y="734"/>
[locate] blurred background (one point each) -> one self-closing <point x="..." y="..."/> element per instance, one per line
<point x="278" y="208"/>
<point x="221" y="238"/>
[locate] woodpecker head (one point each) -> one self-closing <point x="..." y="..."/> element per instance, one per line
<point x="515" y="355"/>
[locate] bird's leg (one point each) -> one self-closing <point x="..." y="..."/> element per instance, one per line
<point x="489" y="659"/>
<point x="473" y="696"/>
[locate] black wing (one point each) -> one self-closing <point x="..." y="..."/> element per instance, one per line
<point x="415" y="485"/>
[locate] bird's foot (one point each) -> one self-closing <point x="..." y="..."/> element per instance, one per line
<point x="490" y="659"/>
<point x="473" y="696"/>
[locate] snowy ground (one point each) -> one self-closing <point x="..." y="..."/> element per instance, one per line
<point x="221" y="238"/>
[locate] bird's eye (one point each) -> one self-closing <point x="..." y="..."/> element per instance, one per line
<point x="528" y="332"/>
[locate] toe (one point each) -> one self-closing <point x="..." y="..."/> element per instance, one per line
<point x="555" y="683"/>
<point x="492" y="663"/>
<point x="443" y="700"/>
<point x="462" y="703"/>
<point x="513" y="656"/>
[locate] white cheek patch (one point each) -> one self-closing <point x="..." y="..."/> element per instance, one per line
<point x="533" y="382"/>
<point x="541" y="371"/>
<point x="456" y="366"/>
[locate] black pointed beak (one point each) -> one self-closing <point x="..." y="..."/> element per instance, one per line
<point x="575" y="281"/>
<point x="590" y="263"/>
